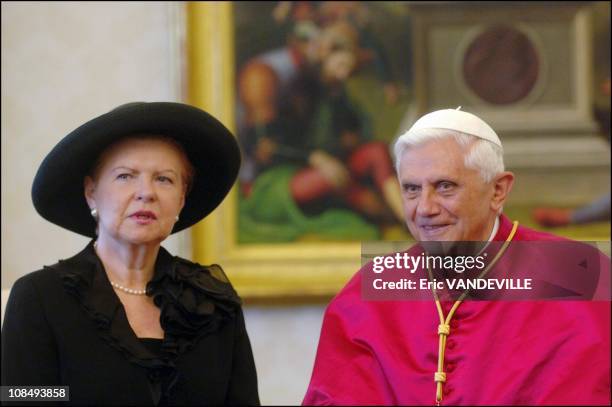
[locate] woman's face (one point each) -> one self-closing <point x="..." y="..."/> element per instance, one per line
<point x="138" y="190"/>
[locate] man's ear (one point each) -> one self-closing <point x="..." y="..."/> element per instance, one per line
<point x="89" y="186"/>
<point x="502" y="184"/>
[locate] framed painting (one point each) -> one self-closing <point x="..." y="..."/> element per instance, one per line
<point x="316" y="93"/>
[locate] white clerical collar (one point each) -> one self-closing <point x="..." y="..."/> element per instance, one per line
<point x="491" y="236"/>
<point x="495" y="229"/>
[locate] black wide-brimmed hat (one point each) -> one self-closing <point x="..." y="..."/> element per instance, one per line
<point x="57" y="191"/>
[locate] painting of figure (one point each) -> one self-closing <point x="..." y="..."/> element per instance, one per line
<point x="321" y="89"/>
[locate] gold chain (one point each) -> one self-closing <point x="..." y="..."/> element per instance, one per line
<point x="444" y="327"/>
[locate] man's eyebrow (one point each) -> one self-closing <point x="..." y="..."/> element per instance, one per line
<point x="409" y="184"/>
<point x="451" y="181"/>
<point x="436" y="181"/>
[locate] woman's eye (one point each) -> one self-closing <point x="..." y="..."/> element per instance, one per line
<point x="165" y="179"/>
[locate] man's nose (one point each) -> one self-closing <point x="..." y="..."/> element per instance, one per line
<point x="427" y="205"/>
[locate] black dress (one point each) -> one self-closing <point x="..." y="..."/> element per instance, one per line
<point x="64" y="325"/>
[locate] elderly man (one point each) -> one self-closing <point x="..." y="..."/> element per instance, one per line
<point x="450" y="167"/>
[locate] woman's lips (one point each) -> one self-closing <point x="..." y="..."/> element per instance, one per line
<point x="144" y="214"/>
<point x="143" y="217"/>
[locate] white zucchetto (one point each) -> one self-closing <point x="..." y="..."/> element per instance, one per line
<point x="457" y="120"/>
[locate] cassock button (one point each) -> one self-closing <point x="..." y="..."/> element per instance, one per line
<point x="450" y="366"/>
<point x="454" y="324"/>
<point x="447" y="390"/>
<point x="450" y="344"/>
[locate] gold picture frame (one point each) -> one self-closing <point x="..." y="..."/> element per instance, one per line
<point x="304" y="270"/>
<point x="295" y="271"/>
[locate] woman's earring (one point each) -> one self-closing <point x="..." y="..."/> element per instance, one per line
<point x="177" y="218"/>
<point x="94" y="213"/>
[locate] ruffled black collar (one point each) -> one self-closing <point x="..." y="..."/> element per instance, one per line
<point x="194" y="300"/>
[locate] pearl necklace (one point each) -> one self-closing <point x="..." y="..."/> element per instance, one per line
<point x="119" y="286"/>
<point x="128" y="290"/>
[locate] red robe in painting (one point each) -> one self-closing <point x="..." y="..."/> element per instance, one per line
<point x="498" y="352"/>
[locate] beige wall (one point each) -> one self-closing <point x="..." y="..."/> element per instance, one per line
<point x="65" y="63"/>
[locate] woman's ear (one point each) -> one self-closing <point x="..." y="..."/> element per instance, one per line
<point x="183" y="198"/>
<point x="89" y="186"/>
<point x="502" y="186"/>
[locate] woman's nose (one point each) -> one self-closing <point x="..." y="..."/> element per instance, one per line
<point x="145" y="191"/>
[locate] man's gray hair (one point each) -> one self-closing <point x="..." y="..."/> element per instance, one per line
<point x="481" y="155"/>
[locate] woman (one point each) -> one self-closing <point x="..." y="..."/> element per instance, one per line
<point x="124" y="322"/>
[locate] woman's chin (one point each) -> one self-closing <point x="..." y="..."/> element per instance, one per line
<point x="141" y="238"/>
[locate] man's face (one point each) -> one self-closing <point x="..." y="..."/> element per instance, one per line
<point x="443" y="199"/>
